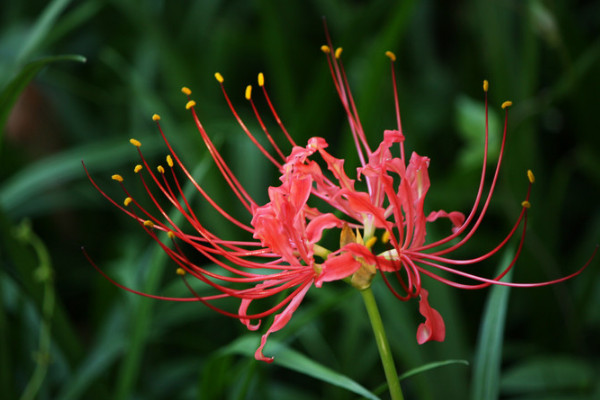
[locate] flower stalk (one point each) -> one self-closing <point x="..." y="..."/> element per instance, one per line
<point x="383" y="346"/>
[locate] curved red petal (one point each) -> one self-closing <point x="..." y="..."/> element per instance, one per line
<point x="433" y="328"/>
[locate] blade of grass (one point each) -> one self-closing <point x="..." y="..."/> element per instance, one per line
<point x="421" y="369"/>
<point x="10" y="93"/>
<point x="215" y="377"/>
<point x="429" y="366"/>
<point x="100" y="357"/>
<point x="41" y="28"/>
<point x="486" y="365"/>
<point x="295" y="361"/>
<point x="547" y="374"/>
<point x="33" y="181"/>
<point x="75" y="17"/>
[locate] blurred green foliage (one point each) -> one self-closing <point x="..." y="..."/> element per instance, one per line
<point x="106" y="343"/>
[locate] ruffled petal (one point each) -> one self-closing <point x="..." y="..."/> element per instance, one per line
<point x="418" y="179"/>
<point x="280" y="224"/>
<point x="457" y="218"/>
<point x="337" y="267"/>
<point x="243" y="310"/>
<point x="336" y="165"/>
<point x="280" y="321"/>
<point x="315" y="228"/>
<point x="433" y="328"/>
<point x="361" y="202"/>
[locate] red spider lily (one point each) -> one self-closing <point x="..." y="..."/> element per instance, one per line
<point x="284" y="255"/>
<point x="283" y="260"/>
<point x="398" y="210"/>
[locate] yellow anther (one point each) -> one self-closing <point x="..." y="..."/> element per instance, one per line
<point x="170" y="161"/>
<point x="371" y="242"/>
<point x="385" y="237"/>
<point x="325" y="49"/>
<point x="135" y="142"/>
<point x="149" y="223"/>
<point x="117" y="177"/>
<point x="160" y="169"/>
<point x="338" y="52"/>
<point x="530" y="176"/>
<point x="171" y="235"/>
<point x="185" y="90"/>
<point x="127" y="201"/>
<point x="181" y="271"/>
<point x="190" y="104"/>
<point x="526" y="204"/>
<point x="390" y="55"/>
<point x="219" y="77"/>
<point x="506" y="104"/>
<point x="156" y="117"/>
<point x="248" y="92"/>
<point x="138" y="168"/>
<point x="486" y="85"/>
<point x="261" y="79"/>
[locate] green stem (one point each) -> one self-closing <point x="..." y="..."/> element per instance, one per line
<point x="382" y="345"/>
<point x="42" y="274"/>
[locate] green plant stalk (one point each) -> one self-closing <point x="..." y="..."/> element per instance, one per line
<point x="387" y="360"/>
<point x="44" y="275"/>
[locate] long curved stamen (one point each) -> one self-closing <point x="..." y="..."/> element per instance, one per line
<point x="391" y="288"/>
<point x="201" y="299"/>
<point x="522" y="218"/>
<point x="262" y="125"/>
<point x="230" y="178"/>
<point x="261" y="83"/>
<point x="359" y="131"/>
<point x="392" y="58"/>
<point x="220" y="164"/>
<point x="497" y="282"/>
<point x="486" y="203"/>
<point x="341" y="84"/>
<point x="243" y="125"/>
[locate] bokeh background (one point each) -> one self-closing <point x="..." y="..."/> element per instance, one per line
<point x="67" y="333"/>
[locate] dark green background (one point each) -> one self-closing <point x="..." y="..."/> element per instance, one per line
<point x="106" y="343"/>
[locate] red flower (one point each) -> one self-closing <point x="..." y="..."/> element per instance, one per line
<point x="394" y="205"/>
<point x="284" y="254"/>
<point x="286" y="232"/>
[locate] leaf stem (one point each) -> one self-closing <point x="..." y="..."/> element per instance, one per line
<point x="383" y="346"/>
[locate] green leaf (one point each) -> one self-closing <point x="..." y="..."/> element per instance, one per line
<point x="470" y="124"/>
<point x="10" y="93"/>
<point x="42" y="28"/>
<point x="215" y="377"/>
<point x="291" y="359"/>
<point x="548" y="373"/>
<point x="429" y="366"/>
<point x="109" y="345"/>
<point x="19" y="193"/>
<point x="486" y="374"/>
<point x="422" y="368"/>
